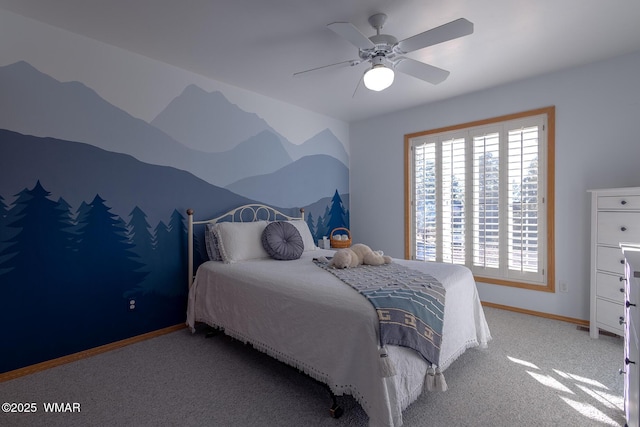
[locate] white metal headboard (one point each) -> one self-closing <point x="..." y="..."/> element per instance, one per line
<point x="246" y="213"/>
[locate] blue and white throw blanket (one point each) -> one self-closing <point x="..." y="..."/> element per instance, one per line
<point x="409" y="303"/>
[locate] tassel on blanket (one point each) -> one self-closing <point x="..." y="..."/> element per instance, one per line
<point x="440" y="383"/>
<point x="430" y="379"/>
<point x="434" y="380"/>
<point x="386" y="365"/>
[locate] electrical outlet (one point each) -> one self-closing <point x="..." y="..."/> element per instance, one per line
<point x="564" y="287"/>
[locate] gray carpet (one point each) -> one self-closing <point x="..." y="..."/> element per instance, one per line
<point x="536" y="372"/>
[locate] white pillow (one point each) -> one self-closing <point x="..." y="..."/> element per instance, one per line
<point x="240" y="241"/>
<point x="307" y="238"/>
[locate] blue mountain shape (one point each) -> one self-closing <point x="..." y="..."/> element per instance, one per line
<point x="39" y="105"/>
<point x="260" y="154"/>
<point x="324" y="142"/>
<point x="43" y="106"/>
<point x="77" y="172"/>
<point x="300" y="183"/>
<point x="207" y="121"/>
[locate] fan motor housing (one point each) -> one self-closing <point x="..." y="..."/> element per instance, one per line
<point x="384" y="44"/>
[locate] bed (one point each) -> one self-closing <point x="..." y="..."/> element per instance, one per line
<point x="308" y="318"/>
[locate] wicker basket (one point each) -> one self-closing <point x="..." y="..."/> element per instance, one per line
<point x="338" y="243"/>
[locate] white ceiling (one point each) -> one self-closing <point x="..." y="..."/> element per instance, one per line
<point x="259" y="44"/>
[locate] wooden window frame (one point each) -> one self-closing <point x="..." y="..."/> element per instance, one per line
<point x="550" y="193"/>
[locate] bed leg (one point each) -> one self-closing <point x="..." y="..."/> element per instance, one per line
<point x="336" y="410"/>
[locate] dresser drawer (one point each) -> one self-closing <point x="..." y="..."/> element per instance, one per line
<point x="616" y="227"/>
<point x="610" y="259"/>
<point x="609" y="314"/>
<point x="619" y="202"/>
<point x="609" y="285"/>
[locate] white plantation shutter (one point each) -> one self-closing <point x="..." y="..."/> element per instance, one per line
<point x="525" y="214"/>
<point x="425" y="202"/>
<point x="486" y="200"/>
<point x="452" y="200"/>
<point x="477" y="199"/>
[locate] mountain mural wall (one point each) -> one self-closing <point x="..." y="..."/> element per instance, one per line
<point x="93" y="201"/>
<point x="317" y="174"/>
<point x="208" y="122"/>
<point x="39" y="105"/>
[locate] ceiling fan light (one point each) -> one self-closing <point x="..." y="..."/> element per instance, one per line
<point x="378" y="77"/>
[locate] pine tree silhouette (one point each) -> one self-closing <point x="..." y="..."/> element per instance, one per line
<point x="38" y="277"/>
<point x="105" y="253"/>
<point x="4" y="230"/>
<point x="66" y="217"/>
<point x="337" y="216"/>
<point x="74" y="275"/>
<point x="81" y="214"/>
<point x="10" y="232"/>
<point x="122" y="227"/>
<point x="321" y="230"/>
<point x="311" y="226"/>
<point x="140" y="235"/>
<point x="65" y="209"/>
<point x="142" y="241"/>
<point x="161" y="233"/>
<point x="177" y="262"/>
<point x="4" y="211"/>
<point x="168" y="249"/>
<point x="41" y="240"/>
<point x="154" y="264"/>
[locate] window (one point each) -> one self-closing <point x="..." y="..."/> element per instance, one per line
<point x="481" y="195"/>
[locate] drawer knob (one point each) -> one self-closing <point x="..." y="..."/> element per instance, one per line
<point x="628" y="304"/>
<point x="622" y="371"/>
<point x="623" y="202"/>
<point x="623" y="228"/>
<point x="621" y="320"/>
<point x="627" y="361"/>
<point x="621" y="261"/>
<point x="622" y="290"/>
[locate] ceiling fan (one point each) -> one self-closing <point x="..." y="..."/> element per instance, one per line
<point x="384" y="52"/>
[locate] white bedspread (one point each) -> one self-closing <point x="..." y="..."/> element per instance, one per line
<point x="306" y="317"/>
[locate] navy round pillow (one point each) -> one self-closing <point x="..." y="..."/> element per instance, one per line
<point x="282" y="241"/>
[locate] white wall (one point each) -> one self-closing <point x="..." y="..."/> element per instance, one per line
<point x="597" y="146"/>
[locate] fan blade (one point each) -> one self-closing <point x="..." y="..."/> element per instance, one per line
<point x="454" y="29"/>
<point x="351" y="63"/>
<point x="422" y="71"/>
<point x="349" y="32"/>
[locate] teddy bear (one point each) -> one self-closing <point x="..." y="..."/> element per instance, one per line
<point x="356" y="255"/>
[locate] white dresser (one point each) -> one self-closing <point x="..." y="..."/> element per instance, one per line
<point x="631" y="350"/>
<point x="615" y="218"/>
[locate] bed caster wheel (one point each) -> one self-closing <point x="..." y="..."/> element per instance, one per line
<point x="336" y="411"/>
